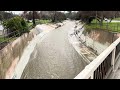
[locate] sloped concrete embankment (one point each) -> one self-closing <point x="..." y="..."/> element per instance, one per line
<point x="98" y="40"/>
<point x="85" y="52"/>
<point x="92" y="42"/>
<point x="11" y="54"/>
<point x="43" y="29"/>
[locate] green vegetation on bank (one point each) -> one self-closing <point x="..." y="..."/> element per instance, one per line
<point x="15" y="26"/>
<point x="30" y="24"/>
<point x="2" y="39"/>
<point x="112" y="26"/>
<point x="40" y="22"/>
<point x="43" y="21"/>
<point x="117" y="19"/>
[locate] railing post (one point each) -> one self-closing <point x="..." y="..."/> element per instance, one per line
<point x="107" y="26"/>
<point x="113" y="59"/>
<point x="92" y="76"/>
<point x="117" y="26"/>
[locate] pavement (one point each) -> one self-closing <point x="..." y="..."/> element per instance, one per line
<point x="54" y="57"/>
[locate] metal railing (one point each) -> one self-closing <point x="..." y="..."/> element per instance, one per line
<point x="8" y="37"/>
<point x="101" y="67"/>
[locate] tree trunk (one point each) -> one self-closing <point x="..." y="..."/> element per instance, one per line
<point x="54" y="16"/>
<point x="110" y="20"/>
<point x="34" y="19"/>
<point x="101" y="22"/>
<point x="102" y="18"/>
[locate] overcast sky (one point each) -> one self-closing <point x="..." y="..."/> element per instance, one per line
<point x="19" y="12"/>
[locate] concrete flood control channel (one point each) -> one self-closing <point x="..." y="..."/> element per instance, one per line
<point x="30" y="48"/>
<point x="86" y="53"/>
<point x="54" y="57"/>
<point x="24" y="59"/>
<point x="81" y="49"/>
<point x="26" y="56"/>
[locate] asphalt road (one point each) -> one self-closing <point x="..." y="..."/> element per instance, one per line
<point x="54" y="57"/>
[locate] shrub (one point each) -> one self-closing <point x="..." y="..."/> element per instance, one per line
<point x="17" y="25"/>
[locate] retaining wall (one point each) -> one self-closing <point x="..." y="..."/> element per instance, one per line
<point x="11" y="54"/>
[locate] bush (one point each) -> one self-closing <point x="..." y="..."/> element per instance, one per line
<point x="17" y="25"/>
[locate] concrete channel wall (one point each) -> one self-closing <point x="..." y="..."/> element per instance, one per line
<point x="98" y="40"/>
<point x="11" y="54"/>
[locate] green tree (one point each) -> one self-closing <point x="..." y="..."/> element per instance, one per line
<point x="17" y="25"/>
<point x="31" y="15"/>
<point x="88" y="16"/>
<point x="33" y="12"/>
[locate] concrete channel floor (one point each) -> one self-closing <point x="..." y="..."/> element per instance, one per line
<point x="54" y="57"/>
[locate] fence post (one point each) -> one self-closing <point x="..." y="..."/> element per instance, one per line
<point x="117" y="26"/>
<point x="114" y="27"/>
<point x="92" y="76"/>
<point x="107" y="25"/>
<point x="19" y="33"/>
<point x="4" y="33"/>
<point x="14" y="34"/>
<point x="113" y="59"/>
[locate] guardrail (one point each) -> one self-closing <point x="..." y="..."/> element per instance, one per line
<point x="101" y="67"/>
